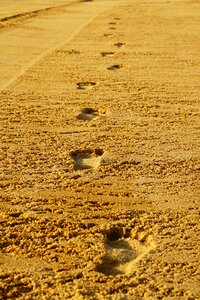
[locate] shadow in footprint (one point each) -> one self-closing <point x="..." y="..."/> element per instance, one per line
<point x="88" y="114"/>
<point x="86" y="159"/>
<point x="104" y="54"/>
<point x="86" y="85"/>
<point x="122" y="251"/>
<point x="119" y="45"/>
<point x="115" y="67"/>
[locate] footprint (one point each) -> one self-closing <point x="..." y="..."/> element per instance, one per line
<point x="112" y="28"/>
<point x="86" y="85"/>
<point x="119" y="45"/>
<point x="107" y="34"/>
<point x="87" y="159"/>
<point x="87" y="114"/>
<point x="123" y="250"/>
<point x="115" y="67"/>
<point x="112" y="23"/>
<point x="104" y="54"/>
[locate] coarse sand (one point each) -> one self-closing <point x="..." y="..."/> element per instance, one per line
<point x="100" y="149"/>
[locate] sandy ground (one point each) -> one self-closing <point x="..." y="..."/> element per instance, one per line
<point x="100" y="143"/>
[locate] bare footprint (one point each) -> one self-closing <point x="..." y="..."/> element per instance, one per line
<point x="112" y="23"/>
<point x="119" y="45"/>
<point x="115" y="67"/>
<point x="104" y="54"/>
<point x="88" y="114"/>
<point x="86" y="85"/>
<point x="123" y="251"/>
<point x="87" y="159"/>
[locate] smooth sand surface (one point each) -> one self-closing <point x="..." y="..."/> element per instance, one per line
<point x="100" y="143"/>
<point x="13" y="8"/>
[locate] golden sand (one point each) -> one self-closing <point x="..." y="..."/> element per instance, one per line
<point x="100" y="143"/>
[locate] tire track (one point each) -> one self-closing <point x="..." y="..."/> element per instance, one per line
<point x="15" y="20"/>
<point x="67" y="35"/>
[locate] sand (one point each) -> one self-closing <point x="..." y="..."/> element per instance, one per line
<point x="100" y="143"/>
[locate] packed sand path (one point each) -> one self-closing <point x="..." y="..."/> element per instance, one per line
<point x="100" y="143"/>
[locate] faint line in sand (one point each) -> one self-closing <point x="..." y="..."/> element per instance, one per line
<point x="44" y="54"/>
